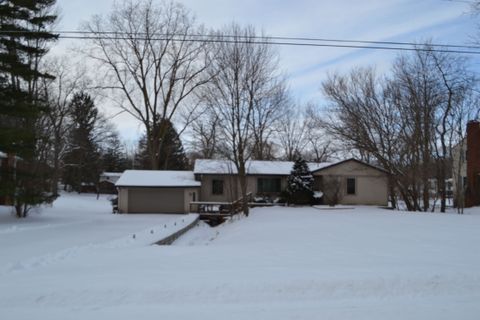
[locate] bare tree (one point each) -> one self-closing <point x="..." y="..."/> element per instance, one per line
<point x="205" y="135"/>
<point x="292" y="134"/>
<point x="456" y="84"/>
<point x="146" y="51"/>
<point x="363" y="117"/>
<point x="418" y="99"/>
<point x="268" y="113"/>
<point x="58" y="92"/>
<point x="465" y="113"/>
<point x="438" y="88"/>
<point x="407" y="122"/>
<point x="332" y="190"/>
<point x="320" y="147"/>
<point x="244" y="76"/>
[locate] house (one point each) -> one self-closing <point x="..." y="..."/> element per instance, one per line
<point x="111" y="177"/>
<point x="106" y="182"/>
<point x="466" y="167"/>
<point x="216" y="181"/>
<point x="459" y="172"/>
<point x="435" y="191"/>
<point x="142" y="191"/>
<point x="357" y="182"/>
<point x="264" y="178"/>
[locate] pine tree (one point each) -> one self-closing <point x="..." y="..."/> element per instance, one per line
<point x="114" y="158"/>
<point x="82" y="158"/>
<point x="23" y="42"/>
<point x="300" y="183"/>
<point x="172" y="155"/>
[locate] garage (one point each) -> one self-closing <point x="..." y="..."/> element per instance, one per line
<point x="141" y="191"/>
<point x="155" y="199"/>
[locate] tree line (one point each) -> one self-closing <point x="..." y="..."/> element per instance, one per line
<point x="229" y="97"/>
<point x="407" y="121"/>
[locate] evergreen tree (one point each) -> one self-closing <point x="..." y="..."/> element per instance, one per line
<point x="23" y="42"/>
<point x="82" y="158"/>
<point x="114" y="158"/>
<point x="172" y="155"/>
<point x="300" y="183"/>
<point x="142" y="160"/>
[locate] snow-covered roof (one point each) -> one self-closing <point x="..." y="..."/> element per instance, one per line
<point x="348" y="160"/>
<point x="111" y="177"/>
<point x="111" y="174"/>
<point x="157" y="178"/>
<point x="254" y="167"/>
<point x="4" y="155"/>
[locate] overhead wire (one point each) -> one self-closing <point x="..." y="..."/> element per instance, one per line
<point x="265" y="40"/>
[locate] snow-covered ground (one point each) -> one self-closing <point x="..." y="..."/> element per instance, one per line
<point x="279" y="263"/>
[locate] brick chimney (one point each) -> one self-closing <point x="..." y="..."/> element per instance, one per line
<point x="472" y="195"/>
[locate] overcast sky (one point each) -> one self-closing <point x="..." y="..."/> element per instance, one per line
<point x="446" y="22"/>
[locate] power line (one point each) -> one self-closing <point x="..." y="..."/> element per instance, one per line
<point x="264" y="40"/>
<point x="283" y="43"/>
<point x="96" y="33"/>
<point x="276" y="38"/>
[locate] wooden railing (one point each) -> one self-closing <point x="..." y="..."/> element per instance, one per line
<point x="219" y="208"/>
<point x="237" y="205"/>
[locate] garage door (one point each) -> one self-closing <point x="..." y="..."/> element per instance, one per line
<point x="156" y="200"/>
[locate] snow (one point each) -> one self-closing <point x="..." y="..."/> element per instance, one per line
<point x="4" y="155"/>
<point x="76" y="223"/>
<point x="157" y="178"/>
<point x="110" y="176"/>
<point x="254" y="167"/>
<point x="279" y="263"/>
<point x="317" y="194"/>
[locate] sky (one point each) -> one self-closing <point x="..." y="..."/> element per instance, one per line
<point x="441" y="21"/>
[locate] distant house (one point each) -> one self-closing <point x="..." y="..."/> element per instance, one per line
<point x="106" y="182"/>
<point x="359" y="183"/>
<point x="435" y="191"/>
<point x="111" y="177"/>
<point x="466" y="167"/>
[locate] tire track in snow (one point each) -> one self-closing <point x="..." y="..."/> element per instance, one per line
<point x="143" y="238"/>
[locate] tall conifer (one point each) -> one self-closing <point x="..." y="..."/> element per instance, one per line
<point x="24" y="38"/>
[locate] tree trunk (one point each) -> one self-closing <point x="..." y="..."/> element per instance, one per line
<point x="442" y="187"/>
<point x="243" y="188"/>
<point x="391" y="188"/>
<point x="56" y="168"/>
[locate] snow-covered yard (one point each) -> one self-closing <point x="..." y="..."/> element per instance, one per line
<point x="78" y="261"/>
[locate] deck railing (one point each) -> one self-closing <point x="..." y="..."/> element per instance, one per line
<point x="219" y="208"/>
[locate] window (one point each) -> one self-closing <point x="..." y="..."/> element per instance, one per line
<point x="269" y="185"/>
<point x="217" y="187"/>
<point x="351" y="186"/>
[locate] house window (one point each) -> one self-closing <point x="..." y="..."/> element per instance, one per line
<point x="351" y="186"/>
<point x="269" y="185"/>
<point x="217" y="187"/>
